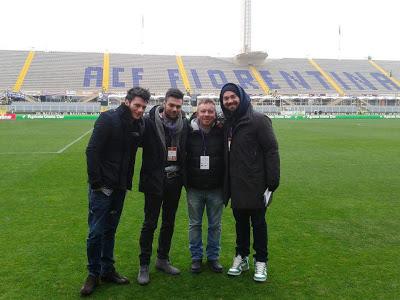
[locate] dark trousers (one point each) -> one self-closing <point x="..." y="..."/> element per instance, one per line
<point x="104" y="214"/>
<point x="168" y="201"/>
<point x="260" y="237"/>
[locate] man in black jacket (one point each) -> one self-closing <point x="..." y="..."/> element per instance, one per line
<point x="205" y="170"/>
<point x="161" y="179"/>
<point x="252" y="168"/>
<point x="110" y="163"/>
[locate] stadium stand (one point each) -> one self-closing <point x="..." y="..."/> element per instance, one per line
<point x="57" y="72"/>
<point x="358" y="77"/>
<point x="11" y="62"/>
<point x="75" y="76"/>
<point x="151" y="71"/>
<point x="392" y="67"/>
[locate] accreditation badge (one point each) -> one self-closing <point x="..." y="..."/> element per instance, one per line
<point x="204" y="162"/>
<point x="172" y="154"/>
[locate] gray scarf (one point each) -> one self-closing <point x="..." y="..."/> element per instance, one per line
<point x="174" y="127"/>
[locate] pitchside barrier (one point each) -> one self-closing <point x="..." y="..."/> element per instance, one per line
<point x="286" y="117"/>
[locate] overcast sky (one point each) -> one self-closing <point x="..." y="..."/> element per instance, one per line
<point x="283" y="28"/>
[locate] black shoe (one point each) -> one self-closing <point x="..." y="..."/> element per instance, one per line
<point x="196" y="266"/>
<point x="90" y="283"/>
<point x="215" y="266"/>
<point x="115" y="278"/>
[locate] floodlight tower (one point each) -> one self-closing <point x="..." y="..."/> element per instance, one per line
<point x="246" y="26"/>
<point x="247" y="56"/>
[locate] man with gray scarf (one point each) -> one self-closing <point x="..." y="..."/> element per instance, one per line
<point x="161" y="179"/>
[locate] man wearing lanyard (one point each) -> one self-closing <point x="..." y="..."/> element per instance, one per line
<point x="252" y="169"/>
<point x="205" y="170"/>
<point x="161" y="179"/>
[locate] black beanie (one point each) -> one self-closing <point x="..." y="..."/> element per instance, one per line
<point x="231" y="88"/>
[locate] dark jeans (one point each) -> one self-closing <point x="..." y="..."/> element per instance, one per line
<point x="103" y="219"/>
<point x="153" y="203"/>
<point x="260" y="237"/>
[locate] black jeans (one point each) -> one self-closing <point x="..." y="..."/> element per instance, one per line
<point x="260" y="237"/>
<point x="153" y="203"/>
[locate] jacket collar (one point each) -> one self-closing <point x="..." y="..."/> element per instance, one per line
<point x="195" y="127"/>
<point x="244" y="119"/>
<point x="125" y="113"/>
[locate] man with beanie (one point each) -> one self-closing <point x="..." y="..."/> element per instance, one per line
<point x="161" y="179"/>
<point x="205" y="170"/>
<point x="251" y="168"/>
<point x="110" y="163"/>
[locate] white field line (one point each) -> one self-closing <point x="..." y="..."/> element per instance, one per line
<point x="12" y="153"/>
<point x="50" y="152"/>
<point x="74" y="141"/>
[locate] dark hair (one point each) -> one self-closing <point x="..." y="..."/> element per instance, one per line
<point x="138" y="92"/>
<point x="173" y="92"/>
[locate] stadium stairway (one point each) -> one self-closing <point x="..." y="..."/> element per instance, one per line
<point x="327" y="77"/>
<point x="259" y="79"/>
<point x="183" y="74"/>
<point x="22" y="75"/>
<point x="384" y="72"/>
<point x="106" y="72"/>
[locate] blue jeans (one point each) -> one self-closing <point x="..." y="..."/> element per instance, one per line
<point x="212" y="200"/>
<point x="104" y="214"/>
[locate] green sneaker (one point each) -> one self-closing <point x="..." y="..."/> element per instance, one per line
<point x="239" y="265"/>
<point x="260" y="271"/>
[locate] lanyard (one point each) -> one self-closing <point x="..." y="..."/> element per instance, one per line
<point x="204" y="142"/>
<point x="171" y="135"/>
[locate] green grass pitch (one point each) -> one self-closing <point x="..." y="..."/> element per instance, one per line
<point x="334" y="224"/>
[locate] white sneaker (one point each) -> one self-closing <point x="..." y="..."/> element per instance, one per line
<point x="260" y="271"/>
<point x="239" y="265"/>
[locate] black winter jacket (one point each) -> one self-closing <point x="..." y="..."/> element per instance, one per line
<point x="212" y="146"/>
<point x="252" y="165"/>
<point x="112" y="149"/>
<point x="154" y="156"/>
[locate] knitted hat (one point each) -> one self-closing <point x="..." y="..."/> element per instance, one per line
<point x="231" y="88"/>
